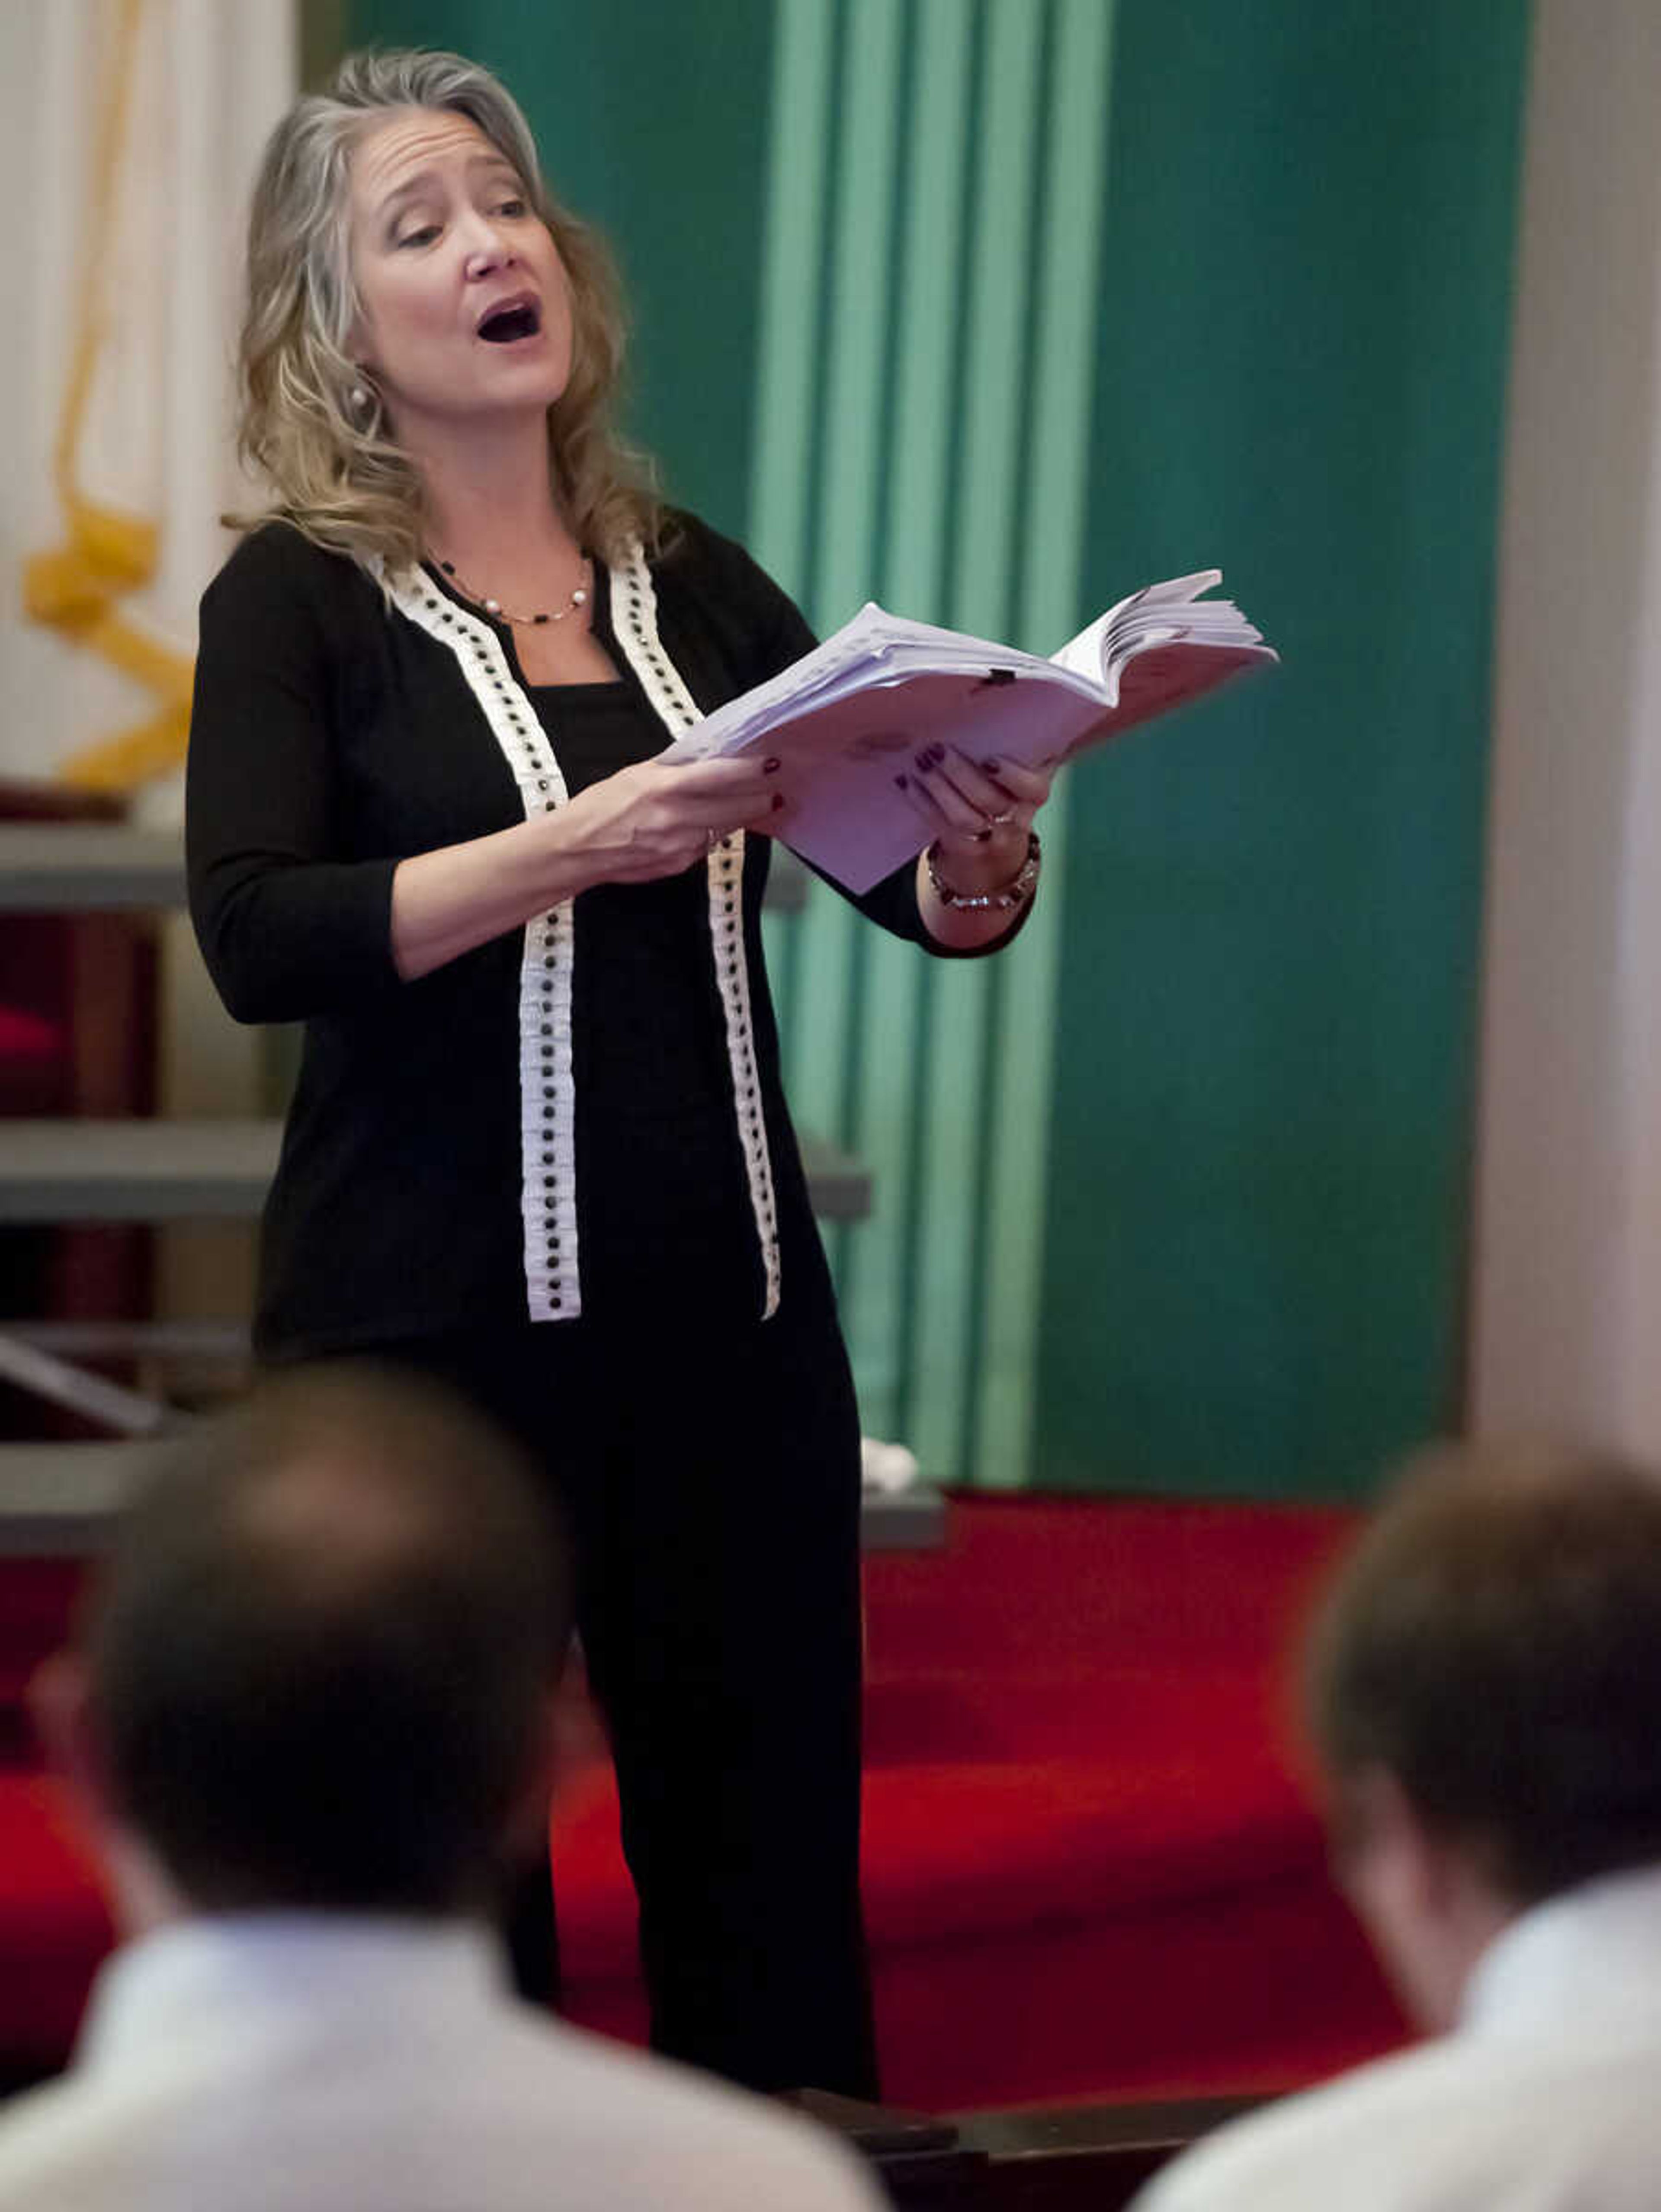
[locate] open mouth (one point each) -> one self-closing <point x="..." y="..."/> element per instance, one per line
<point x="506" y="325"/>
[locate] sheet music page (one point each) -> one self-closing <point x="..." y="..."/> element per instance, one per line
<point x="845" y="719"/>
<point x="842" y="811"/>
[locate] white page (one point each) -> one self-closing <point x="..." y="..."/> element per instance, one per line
<point x="846" y="719"/>
<point x="843" y="810"/>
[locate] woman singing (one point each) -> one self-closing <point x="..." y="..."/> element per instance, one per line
<point x="538" y="1144"/>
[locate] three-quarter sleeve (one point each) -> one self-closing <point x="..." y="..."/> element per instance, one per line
<point x="291" y="924"/>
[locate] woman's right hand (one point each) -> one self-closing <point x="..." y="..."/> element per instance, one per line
<point x="644" y="821"/>
<point x="655" y="819"/>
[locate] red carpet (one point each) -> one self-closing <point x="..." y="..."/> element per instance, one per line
<point x="1090" y="1868"/>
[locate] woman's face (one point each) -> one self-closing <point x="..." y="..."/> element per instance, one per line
<point x="464" y="306"/>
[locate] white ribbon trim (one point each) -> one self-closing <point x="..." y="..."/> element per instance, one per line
<point x="633" y="619"/>
<point x="547" y="1095"/>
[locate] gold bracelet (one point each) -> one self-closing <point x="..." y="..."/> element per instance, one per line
<point x="1015" y="892"/>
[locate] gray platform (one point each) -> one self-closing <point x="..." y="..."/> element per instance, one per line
<point x="60" y="1498"/>
<point x="59" y="868"/>
<point x="156" y="1171"/>
<point x="75" y="867"/>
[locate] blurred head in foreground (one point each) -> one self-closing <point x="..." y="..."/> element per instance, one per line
<point x="318" y="1667"/>
<point x="1484" y="1689"/>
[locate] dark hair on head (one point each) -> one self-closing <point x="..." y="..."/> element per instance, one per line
<point x="321" y="1649"/>
<point x="1495" y="1642"/>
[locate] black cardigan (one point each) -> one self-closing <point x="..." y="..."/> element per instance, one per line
<point x="330" y="737"/>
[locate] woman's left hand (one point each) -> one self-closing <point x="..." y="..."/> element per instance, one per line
<point x="979" y="814"/>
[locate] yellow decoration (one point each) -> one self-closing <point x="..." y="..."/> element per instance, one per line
<point x="137" y="755"/>
<point x="74" y="587"/>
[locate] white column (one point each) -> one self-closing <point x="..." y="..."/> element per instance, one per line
<point x="1567" y="1284"/>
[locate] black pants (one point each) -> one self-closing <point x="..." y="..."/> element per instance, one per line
<point x="709" y="1482"/>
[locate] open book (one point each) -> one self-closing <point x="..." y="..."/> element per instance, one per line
<point x="845" y="718"/>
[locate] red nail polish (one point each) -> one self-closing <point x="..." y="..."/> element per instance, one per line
<point x="778" y="800"/>
<point x="770" y="767"/>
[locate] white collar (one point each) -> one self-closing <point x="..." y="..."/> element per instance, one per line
<point x="181" y="1979"/>
<point x="1592" y="1950"/>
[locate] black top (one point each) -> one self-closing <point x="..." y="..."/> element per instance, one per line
<point x="331" y="737"/>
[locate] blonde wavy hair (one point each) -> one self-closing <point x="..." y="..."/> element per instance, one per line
<point x="339" y="475"/>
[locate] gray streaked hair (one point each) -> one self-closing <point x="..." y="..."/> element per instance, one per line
<point x="337" y="474"/>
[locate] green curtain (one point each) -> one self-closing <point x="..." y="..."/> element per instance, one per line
<point x="1260" y="1123"/>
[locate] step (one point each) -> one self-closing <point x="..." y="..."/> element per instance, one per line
<point x="215" y="1341"/>
<point x="88" y="867"/>
<point x="76" y="868"/>
<point x="156" y="1171"/>
<point x="60" y="1498"/>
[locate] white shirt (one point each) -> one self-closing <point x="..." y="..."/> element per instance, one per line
<point x="327" y="2063"/>
<point x="1547" y="2098"/>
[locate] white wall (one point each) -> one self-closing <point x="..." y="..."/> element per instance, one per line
<point x="210" y="77"/>
<point x="42" y="685"/>
<point x="1567" y="1289"/>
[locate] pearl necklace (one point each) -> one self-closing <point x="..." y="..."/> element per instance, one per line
<point x="579" y="598"/>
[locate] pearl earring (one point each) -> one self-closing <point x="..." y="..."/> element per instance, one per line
<point x="360" y="396"/>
